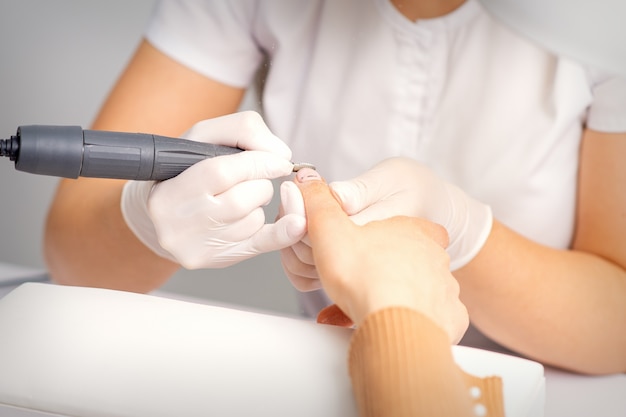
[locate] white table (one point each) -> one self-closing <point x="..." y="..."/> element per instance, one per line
<point x="567" y="394"/>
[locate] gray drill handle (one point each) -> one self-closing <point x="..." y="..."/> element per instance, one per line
<point x="140" y="156"/>
<point x="70" y="151"/>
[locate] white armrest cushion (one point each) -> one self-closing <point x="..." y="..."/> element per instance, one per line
<point x="94" y="352"/>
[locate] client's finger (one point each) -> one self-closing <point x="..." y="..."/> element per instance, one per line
<point x="325" y="217"/>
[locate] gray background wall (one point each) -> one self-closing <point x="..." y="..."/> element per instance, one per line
<point x="58" y="60"/>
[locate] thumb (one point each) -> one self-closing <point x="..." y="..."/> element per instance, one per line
<point x="373" y="186"/>
<point x="325" y="217"/>
<point x="357" y="194"/>
<point x="361" y="202"/>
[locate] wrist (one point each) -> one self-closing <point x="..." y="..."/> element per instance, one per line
<point x="388" y="295"/>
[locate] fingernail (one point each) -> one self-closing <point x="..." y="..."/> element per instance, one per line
<point x="307" y="174"/>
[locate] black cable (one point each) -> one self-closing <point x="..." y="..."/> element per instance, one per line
<point x="10" y="147"/>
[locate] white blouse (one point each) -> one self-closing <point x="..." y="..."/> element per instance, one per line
<point x="353" y="82"/>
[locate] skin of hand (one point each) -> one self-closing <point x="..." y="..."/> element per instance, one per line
<point x="398" y="261"/>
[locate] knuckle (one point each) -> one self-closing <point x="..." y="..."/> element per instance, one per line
<point x="251" y="121"/>
<point x="190" y="264"/>
<point x="190" y="259"/>
<point x="196" y="131"/>
<point x="218" y="169"/>
<point x="169" y="244"/>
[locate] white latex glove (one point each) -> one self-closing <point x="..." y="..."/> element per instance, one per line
<point x="211" y="215"/>
<point x="400" y="186"/>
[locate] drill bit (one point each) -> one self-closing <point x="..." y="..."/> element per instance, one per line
<point x="299" y="165"/>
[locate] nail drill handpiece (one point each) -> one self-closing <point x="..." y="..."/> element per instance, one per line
<point x="70" y="152"/>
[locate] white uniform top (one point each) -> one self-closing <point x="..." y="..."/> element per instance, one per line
<point x="352" y="82"/>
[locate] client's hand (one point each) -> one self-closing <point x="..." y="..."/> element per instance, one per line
<point x="400" y="261"/>
<point x="211" y="215"/>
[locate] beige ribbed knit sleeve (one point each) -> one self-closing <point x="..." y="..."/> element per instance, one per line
<point x="401" y="364"/>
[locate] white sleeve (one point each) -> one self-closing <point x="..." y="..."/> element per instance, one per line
<point x="607" y="112"/>
<point x="213" y="38"/>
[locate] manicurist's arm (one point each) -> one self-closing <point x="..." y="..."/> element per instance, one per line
<point x="562" y="307"/>
<point x="87" y="241"/>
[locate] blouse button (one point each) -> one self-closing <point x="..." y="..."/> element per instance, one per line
<point x="480" y="410"/>
<point x="475" y="392"/>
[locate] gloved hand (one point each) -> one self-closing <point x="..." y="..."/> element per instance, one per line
<point x="211" y="215"/>
<point x="400" y="186"/>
